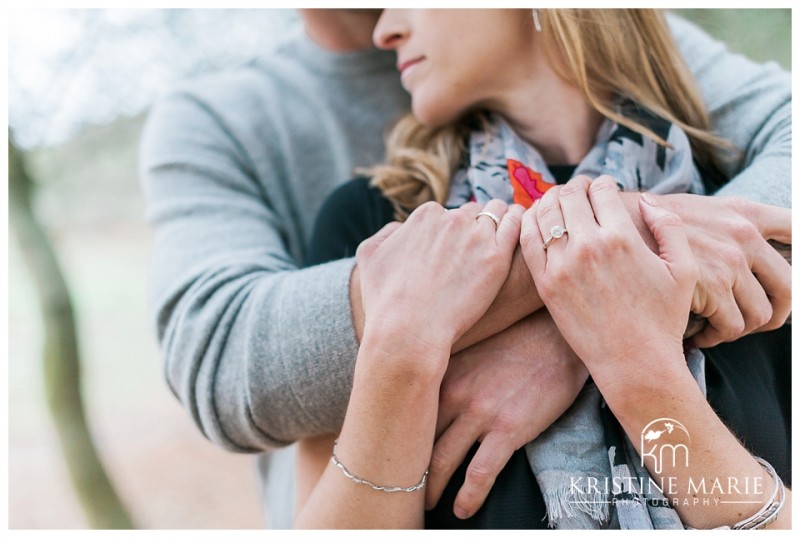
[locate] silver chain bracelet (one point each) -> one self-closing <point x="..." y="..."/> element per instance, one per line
<point x="769" y="512"/>
<point x="364" y="481"/>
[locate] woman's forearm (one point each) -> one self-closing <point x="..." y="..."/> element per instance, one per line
<point x="387" y="438"/>
<point x="714" y="480"/>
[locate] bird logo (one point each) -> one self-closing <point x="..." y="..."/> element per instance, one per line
<point x="664" y="440"/>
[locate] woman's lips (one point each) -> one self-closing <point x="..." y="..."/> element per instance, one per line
<point x="402" y="66"/>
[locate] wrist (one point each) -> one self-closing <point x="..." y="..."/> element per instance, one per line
<point x="663" y="379"/>
<point x="401" y="353"/>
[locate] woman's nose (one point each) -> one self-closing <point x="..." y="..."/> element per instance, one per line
<point x="391" y="29"/>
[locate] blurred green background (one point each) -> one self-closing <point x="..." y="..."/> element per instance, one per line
<point x="88" y="197"/>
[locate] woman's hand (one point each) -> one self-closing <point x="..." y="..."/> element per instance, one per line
<point x="427" y="281"/>
<point x="610" y="295"/>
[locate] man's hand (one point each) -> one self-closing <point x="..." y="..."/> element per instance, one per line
<point x="502" y="392"/>
<point x="744" y="284"/>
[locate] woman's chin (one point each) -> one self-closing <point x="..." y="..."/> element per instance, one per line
<point x="433" y="115"/>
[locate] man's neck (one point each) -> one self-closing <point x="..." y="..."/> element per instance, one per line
<point x="341" y="30"/>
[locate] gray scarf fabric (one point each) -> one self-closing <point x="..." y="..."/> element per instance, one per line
<point x="502" y="165"/>
<point x="580" y="445"/>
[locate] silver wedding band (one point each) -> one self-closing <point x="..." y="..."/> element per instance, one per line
<point x="495" y="218"/>
<point x="555" y="233"/>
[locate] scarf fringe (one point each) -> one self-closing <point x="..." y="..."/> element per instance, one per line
<point x="564" y="502"/>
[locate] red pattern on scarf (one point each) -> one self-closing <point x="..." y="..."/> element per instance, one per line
<point x="528" y="184"/>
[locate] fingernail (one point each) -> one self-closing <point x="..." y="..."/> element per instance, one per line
<point x="649" y="200"/>
<point x="460" y="512"/>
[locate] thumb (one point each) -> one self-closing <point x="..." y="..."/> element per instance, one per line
<point x="670" y="235"/>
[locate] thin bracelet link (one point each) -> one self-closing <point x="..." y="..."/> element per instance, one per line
<point x="376" y="487"/>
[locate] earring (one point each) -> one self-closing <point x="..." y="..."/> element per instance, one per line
<point x="536" y="23"/>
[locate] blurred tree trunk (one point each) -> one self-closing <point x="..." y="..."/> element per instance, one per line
<point x="62" y="377"/>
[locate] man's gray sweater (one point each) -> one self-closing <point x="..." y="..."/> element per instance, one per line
<point x="234" y="167"/>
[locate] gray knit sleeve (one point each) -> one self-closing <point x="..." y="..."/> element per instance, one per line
<point x="236" y="319"/>
<point x="750" y="105"/>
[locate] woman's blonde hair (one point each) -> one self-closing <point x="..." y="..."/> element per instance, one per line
<point x="607" y="54"/>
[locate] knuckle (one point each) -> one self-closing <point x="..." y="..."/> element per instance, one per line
<point x="423" y="212"/>
<point x="481" y="408"/>
<point x="780" y="313"/>
<point x="513" y="217"/>
<point x="547" y="291"/>
<point x="497" y="204"/>
<point x="615" y="240"/>
<point x="732" y="330"/>
<point x="454" y="222"/>
<point x="742" y="230"/>
<point x="440" y="464"/>
<point x="505" y="424"/>
<point x="581" y="179"/>
<point x="720" y="284"/>
<point x="546" y="209"/>
<point x="762" y="316"/>
<point x="603" y="183"/>
<point x="573" y="187"/>
<point x="550" y="194"/>
<point x="365" y="250"/>
<point x="560" y="275"/>
<point x="783" y="307"/>
<point x="480" y="474"/>
<point x="741" y="206"/>
<point x="585" y="253"/>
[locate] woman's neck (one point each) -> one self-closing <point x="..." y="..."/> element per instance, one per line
<point x="551" y="115"/>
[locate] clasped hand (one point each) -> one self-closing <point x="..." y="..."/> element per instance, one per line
<point x="611" y="296"/>
<point x="426" y="282"/>
<point x="598" y="279"/>
<point x="594" y="280"/>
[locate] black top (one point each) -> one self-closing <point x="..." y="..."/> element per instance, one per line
<point x="748" y="381"/>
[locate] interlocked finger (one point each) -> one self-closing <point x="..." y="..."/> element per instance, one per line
<point x="492" y="213"/>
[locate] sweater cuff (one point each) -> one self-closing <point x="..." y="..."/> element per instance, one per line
<point x="315" y="344"/>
